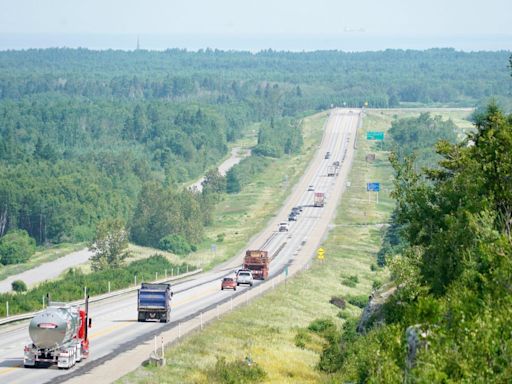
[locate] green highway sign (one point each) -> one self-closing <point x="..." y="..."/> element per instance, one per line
<point x="373" y="135"/>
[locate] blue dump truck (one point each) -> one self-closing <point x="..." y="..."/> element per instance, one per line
<point x="154" y="302"/>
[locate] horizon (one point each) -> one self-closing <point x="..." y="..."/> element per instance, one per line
<point x="350" y="41"/>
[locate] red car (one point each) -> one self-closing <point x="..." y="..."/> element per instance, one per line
<point x="228" y="283"/>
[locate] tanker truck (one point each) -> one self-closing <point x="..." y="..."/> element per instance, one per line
<point x="59" y="336"/>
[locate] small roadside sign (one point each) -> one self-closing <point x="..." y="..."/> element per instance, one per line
<point x="373" y="187"/>
<point x="286" y="271"/>
<point x="374" y="135"/>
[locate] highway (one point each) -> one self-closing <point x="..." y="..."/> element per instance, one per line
<point x="116" y="332"/>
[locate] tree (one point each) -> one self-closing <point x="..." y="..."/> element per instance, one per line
<point x="19" y="286"/>
<point x="110" y="245"/>
<point x="16" y="247"/>
<point x="214" y="182"/>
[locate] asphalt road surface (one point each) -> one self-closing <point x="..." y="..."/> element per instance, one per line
<point x="47" y="271"/>
<point x="237" y="155"/>
<point x="119" y="343"/>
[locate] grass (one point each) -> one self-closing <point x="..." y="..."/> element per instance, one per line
<point x="43" y="255"/>
<point x="272" y="330"/>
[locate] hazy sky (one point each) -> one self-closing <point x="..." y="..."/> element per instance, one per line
<point x="405" y="18"/>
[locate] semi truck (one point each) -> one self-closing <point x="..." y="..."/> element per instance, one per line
<point x="154" y="302"/>
<point x="258" y="262"/>
<point x="319" y="199"/>
<point x="59" y="335"/>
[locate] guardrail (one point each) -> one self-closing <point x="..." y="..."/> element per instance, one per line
<point x="29" y="315"/>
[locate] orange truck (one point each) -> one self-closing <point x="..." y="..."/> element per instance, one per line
<point x="258" y="262"/>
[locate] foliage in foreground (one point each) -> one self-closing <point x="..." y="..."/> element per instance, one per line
<point x="449" y="320"/>
<point x="235" y="372"/>
<point x="71" y="286"/>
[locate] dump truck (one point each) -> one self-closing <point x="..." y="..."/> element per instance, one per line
<point x="154" y="302"/>
<point x="319" y="199"/>
<point x="331" y="170"/>
<point x="258" y="262"/>
<point x="59" y="335"/>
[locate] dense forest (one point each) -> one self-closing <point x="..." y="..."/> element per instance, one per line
<point x="449" y="251"/>
<point x="91" y="135"/>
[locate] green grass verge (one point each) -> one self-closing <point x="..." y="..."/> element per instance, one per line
<point x="273" y="329"/>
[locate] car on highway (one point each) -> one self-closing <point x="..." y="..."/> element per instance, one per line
<point x="327" y="155"/>
<point x="283" y="226"/>
<point x="228" y="283"/>
<point x="292" y="217"/>
<point x="311" y="188"/>
<point x="244" y="276"/>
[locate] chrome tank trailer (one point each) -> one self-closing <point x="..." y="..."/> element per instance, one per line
<point x="55" y="326"/>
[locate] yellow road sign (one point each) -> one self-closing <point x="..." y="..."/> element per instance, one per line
<point x="320" y="250"/>
<point x="320" y="256"/>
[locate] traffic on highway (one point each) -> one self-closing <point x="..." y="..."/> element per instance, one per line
<point x="119" y="322"/>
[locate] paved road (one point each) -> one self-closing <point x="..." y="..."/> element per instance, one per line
<point x="119" y="343"/>
<point x="237" y="155"/>
<point x="48" y="270"/>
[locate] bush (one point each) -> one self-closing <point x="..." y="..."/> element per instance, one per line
<point x="301" y="338"/>
<point x="16" y="247"/>
<point x="236" y="372"/>
<point x="376" y="284"/>
<point x="321" y="326"/>
<point x="359" y="301"/>
<point x="344" y="314"/>
<point x="176" y="244"/>
<point x="19" y="286"/>
<point x="350" y="281"/>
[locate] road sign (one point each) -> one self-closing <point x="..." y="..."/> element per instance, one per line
<point x="286" y="271"/>
<point x="373" y="187"/>
<point x="374" y="135"/>
<point x="320" y="251"/>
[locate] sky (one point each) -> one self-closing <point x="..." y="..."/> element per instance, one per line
<point x="272" y="22"/>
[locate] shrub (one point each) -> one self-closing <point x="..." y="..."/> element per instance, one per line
<point x="301" y="338"/>
<point x="376" y="284"/>
<point x="16" y="247"/>
<point x="350" y="281"/>
<point x="176" y="244"/>
<point x="344" y="314"/>
<point x="321" y="325"/>
<point x="359" y="301"/>
<point x="19" y="286"/>
<point x="236" y="372"/>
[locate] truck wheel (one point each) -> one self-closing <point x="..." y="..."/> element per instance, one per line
<point x="234" y="288"/>
<point x="222" y="289"/>
<point x="237" y="284"/>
